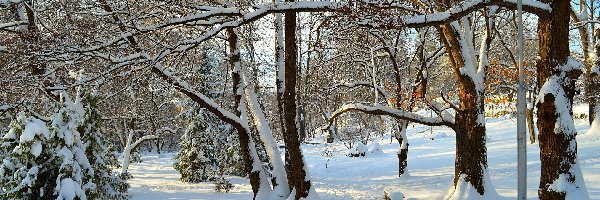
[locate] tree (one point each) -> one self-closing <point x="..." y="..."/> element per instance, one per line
<point x="47" y="162"/>
<point x="556" y="73"/>
<point x="101" y="155"/>
<point x="196" y="159"/>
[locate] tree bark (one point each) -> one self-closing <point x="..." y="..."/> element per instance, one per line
<point x="403" y="151"/>
<point x="558" y="147"/>
<point x="530" y="125"/>
<point x="243" y="135"/>
<point x="295" y="166"/>
<point x="279" y="67"/>
<point x="471" y="152"/>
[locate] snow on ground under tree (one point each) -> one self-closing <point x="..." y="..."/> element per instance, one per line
<point x="430" y="167"/>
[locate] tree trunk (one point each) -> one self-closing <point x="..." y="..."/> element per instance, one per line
<point x="530" y="125"/>
<point x="471" y="152"/>
<point x="295" y="167"/>
<point x="279" y="66"/>
<point x="558" y="147"/>
<point x="243" y="135"/>
<point x="403" y="151"/>
<point x="593" y="84"/>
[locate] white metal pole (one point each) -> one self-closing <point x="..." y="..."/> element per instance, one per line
<point x="521" y="145"/>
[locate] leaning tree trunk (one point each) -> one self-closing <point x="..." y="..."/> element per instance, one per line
<point x="556" y="75"/>
<point x="243" y="134"/>
<point x="295" y="167"/>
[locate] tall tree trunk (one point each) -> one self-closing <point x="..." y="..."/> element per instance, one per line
<point x="558" y="147"/>
<point x="593" y="84"/>
<point x="471" y="152"/>
<point x="243" y="134"/>
<point x="279" y="66"/>
<point x="295" y="166"/>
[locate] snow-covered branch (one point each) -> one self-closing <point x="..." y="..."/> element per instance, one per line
<point x="396" y="113"/>
<point x="199" y="98"/>
<point x="12" y="24"/>
<point x="455" y="13"/>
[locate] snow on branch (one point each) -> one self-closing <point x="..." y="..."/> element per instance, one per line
<point x="452" y="14"/>
<point x="12" y="24"/>
<point x="396" y="113"/>
<point x="142" y="139"/>
<point x="199" y="98"/>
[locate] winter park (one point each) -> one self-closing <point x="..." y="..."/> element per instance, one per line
<point x="290" y="100"/>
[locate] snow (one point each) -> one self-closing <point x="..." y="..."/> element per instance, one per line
<point x="430" y="164"/>
<point x="533" y="3"/>
<point x="575" y="190"/>
<point x="36" y="148"/>
<point x="10" y="134"/>
<point x="571" y="64"/>
<point x="595" y="69"/>
<point x="33" y="128"/>
<point x="464" y="190"/>
<point x="564" y="124"/>
<point x="70" y="189"/>
<point x="271" y="147"/>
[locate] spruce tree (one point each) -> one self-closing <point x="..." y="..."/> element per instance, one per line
<point x="196" y="160"/>
<point x="64" y="158"/>
<point x="102" y="156"/>
<point x="209" y="148"/>
<point x="46" y="163"/>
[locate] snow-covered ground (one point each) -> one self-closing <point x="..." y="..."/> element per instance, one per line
<point x="430" y="168"/>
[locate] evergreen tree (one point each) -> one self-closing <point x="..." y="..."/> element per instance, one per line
<point x="101" y="156"/>
<point x="209" y="147"/>
<point x="46" y="163"/>
<point x="65" y="158"/>
<point x="196" y="160"/>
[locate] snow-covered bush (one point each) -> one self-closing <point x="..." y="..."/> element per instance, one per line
<point x="359" y="150"/>
<point x="375" y="148"/>
<point x="49" y="160"/>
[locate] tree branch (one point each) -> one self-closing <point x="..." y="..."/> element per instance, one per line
<point x="382" y="110"/>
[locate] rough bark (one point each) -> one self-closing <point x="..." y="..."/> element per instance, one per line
<point x="243" y="135"/>
<point x="558" y="147"/>
<point x="294" y="158"/>
<point x="530" y="125"/>
<point x="471" y="152"/>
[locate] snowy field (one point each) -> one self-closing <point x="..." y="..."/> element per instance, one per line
<point x="430" y="168"/>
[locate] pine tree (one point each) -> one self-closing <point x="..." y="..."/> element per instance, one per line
<point x="46" y="163"/>
<point x="196" y="161"/>
<point x="209" y="147"/>
<point x="65" y="158"/>
<point x="101" y="156"/>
